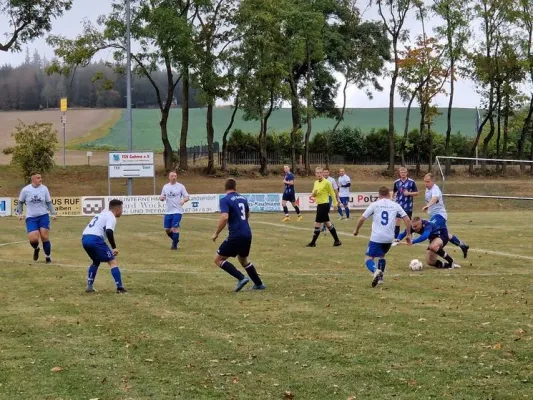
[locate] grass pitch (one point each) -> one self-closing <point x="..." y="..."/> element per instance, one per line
<point x="318" y="332"/>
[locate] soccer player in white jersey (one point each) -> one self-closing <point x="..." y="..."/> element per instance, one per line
<point x="344" y="193"/>
<point x="383" y="212"/>
<point x="437" y="212"/>
<point x="38" y="204"/>
<point x="93" y="241"/>
<point x="175" y="195"/>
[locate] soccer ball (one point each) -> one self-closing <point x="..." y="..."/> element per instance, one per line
<point x="416" y="265"/>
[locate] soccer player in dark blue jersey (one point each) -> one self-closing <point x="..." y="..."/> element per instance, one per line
<point x="234" y="212"/>
<point x="438" y="237"/>
<point x="404" y="189"/>
<point x="289" y="195"/>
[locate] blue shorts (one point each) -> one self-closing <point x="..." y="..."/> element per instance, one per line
<point x="443" y="235"/>
<point x="172" y="220"/>
<point x="289" y="196"/>
<point x="344" y="201"/>
<point x="377" y="249"/>
<point x="97" y="249"/>
<point x="235" y="246"/>
<point x="36" y="223"/>
<point x="439" y="221"/>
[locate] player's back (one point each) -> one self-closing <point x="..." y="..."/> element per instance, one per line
<point x="99" y="224"/>
<point x="384" y="213"/>
<point x="237" y="208"/>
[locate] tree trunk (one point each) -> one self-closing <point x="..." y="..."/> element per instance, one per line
<point x="184" y="120"/>
<point x="167" y="148"/>
<point x="505" y="132"/>
<point x="225" y="136"/>
<point x="525" y="127"/>
<point x="449" y="115"/>
<point x="391" y="106"/>
<point x="309" y="116"/>
<point x="489" y="137"/>
<point x="263" y="159"/>
<point x="498" y="131"/>
<point x="430" y="152"/>
<point x="406" y="128"/>
<point x="210" y="138"/>
<point x="421" y="139"/>
<point x="296" y="118"/>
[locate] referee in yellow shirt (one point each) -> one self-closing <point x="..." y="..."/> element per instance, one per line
<point x="322" y="191"/>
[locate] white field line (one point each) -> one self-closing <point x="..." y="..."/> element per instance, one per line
<point x="10" y="243"/>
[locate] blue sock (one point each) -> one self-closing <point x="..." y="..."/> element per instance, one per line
<point x="117" y="277"/>
<point x="371" y="265"/>
<point x="455" y="240"/>
<point x="382" y="263"/>
<point x="175" y="239"/>
<point x="347" y="210"/>
<point x="47" y="247"/>
<point x="169" y="234"/>
<point x="91" y="274"/>
<point x="339" y="210"/>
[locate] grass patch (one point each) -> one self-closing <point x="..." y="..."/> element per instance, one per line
<point x="97" y="133"/>
<point x="319" y="331"/>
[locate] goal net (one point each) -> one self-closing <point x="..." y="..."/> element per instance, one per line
<point x="484" y="178"/>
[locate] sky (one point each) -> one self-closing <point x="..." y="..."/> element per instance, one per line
<point x="70" y="25"/>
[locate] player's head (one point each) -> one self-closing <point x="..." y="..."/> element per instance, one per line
<point x="341" y="172"/>
<point x="319" y="173"/>
<point x="326" y="173"/>
<point x="416" y="223"/>
<point x="384" y="192"/>
<point x="36" y="178"/>
<point x="172" y="177"/>
<point x="402" y="172"/>
<point x="230" y="185"/>
<point x="115" y="206"/>
<point x="429" y="180"/>
<point x="286" y="169"/>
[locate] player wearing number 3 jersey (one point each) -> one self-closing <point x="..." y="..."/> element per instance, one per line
<point x="234" y="212"/>
<point x="383" y="212"/>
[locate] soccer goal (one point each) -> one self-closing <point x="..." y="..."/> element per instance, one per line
<point x="492" y="170"/>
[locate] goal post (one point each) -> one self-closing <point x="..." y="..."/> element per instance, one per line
<point x="481" y="166"/>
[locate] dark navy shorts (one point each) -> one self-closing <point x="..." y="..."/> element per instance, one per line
<point x="289" y="196"/>
<point x="235" y="246"/>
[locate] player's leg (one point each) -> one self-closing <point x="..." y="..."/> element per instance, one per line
<point x="333" y="231"/>
<point x="32" y="228"/>
<point x="373" y="251"/>
<point x="432" y="261"/>
<point x="117" y="276"/>
<point x="176" y="222"/>
<point x="459" y="243"/>
<point x="44" y="232"/>
<point x="244" y="252"/>
<point x="437" y="246"/>
<point x="286" y="217"/>
<point x="167" y="225"/>
<point x="230" y="248"/>
<point x="345" y="202"/>
<point x="296" y="208"/>
<point x="324" y="226"/>
<point x="318" y="223"/>
<point x="397" y="228"/>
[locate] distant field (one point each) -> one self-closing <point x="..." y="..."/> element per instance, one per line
<point x="146" y="134"/>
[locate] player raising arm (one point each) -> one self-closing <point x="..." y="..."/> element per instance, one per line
<point x="438" y="239"/>
<point x="437" y="212"/>
<point x="383" y="213"/>
<point x="93" y="241"/>
<point x="175" y="195"/>
<point x="234" y="212"/>
<point x="38" y="202"/>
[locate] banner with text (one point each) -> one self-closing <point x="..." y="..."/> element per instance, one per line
<point x="261" y="202"/>
<point x="65" y="206"/>
<point x="148" y="205"/>
<point x="5" y="206"/>
<point x="357" y="201"/>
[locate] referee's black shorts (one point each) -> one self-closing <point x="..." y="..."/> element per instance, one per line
<point x="322" y="213"/>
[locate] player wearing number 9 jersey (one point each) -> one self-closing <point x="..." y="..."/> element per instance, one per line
<point x="235" y="212"/>
<point x="93" y="242"/>
<point x="383" y="212"/>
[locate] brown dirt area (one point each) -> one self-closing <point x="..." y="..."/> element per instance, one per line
<point x="79" y="123"/>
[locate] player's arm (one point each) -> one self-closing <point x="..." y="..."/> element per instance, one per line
<point x="50" y="205"/>
<point x="162" y="197"/>
<point x="424" y="236"/>
<point x="247" y="209"/>
<point x="110" y="235"/>
<point x="290" y="183"/>
<point x="334" y="195"/>
<point x="314" y="193"/>
<point x="407" y="222"/>
<point x="434" y="200"/>
<point x="414" y="192"/>
<point x="184" y="196"/>
<point x="20" y="206"/>
<point x="360" y="223"/>
<point x="222" y="222"/>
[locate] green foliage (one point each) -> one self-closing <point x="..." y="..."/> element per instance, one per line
<point x="245" y="142"/>
<point x="35" y="147"/>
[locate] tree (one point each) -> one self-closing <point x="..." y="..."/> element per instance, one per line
<point x="455" y="31"/>
<point x="29" y="19"/>
<point x="163" y="33"/>
<point x="35" y="148"/>
<point x="394" y="23"/>
<point x="212" y="73"/>
<point x="261" y="67"/>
